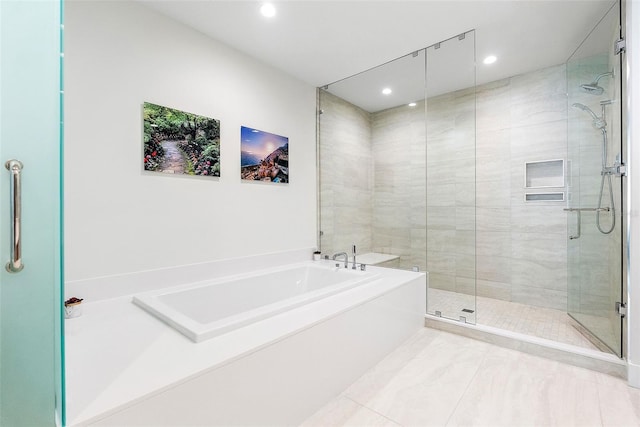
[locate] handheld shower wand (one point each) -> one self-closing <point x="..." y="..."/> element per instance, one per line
<point x="601" y="124"/>
<point x="598" y="122"/>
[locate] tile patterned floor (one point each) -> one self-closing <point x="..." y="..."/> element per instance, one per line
<point x="546" y="323"/>
<point x="440" y="379"/>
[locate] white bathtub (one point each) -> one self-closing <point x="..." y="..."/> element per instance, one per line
<point x="152" y="375"/>
<point x="204" y="310"/>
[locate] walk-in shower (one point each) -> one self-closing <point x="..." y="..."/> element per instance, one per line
<point x="483" y="182"/>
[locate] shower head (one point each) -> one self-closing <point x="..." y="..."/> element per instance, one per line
<point x="593" y="88"/>
<point x="598" y="122"/>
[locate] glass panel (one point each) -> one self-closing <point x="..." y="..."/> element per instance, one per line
<point x="30" y="306"/>
<point x="595" y="232"/>
<point x="372" y="165"/>
<point x="451" y="178"/>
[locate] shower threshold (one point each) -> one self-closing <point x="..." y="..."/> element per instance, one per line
<point x="547" y="323"/>
<point x="595" y="360"/>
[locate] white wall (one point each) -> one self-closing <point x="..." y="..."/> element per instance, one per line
<point x="119" y="219"/>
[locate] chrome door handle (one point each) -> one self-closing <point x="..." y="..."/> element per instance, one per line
<point x="15" y="202"/>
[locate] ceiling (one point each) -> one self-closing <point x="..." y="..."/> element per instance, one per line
<point x="320" y="42"/>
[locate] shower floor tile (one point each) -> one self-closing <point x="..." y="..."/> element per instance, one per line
<point x="541" y="322"/>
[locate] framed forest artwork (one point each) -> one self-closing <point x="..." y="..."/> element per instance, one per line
<point x="177" y="142"/>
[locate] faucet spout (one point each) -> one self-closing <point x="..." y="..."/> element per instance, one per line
<point x="346" y="258"/>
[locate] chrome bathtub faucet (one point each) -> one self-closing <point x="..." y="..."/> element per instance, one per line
<point x="346" y="258"/>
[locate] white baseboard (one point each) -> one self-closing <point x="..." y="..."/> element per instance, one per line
<point x="633" y="371"/>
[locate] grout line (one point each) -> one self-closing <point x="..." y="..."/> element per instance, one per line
<point x="466" y="389"/>
<point x="598" y="389"/>
<point x="372" y="410"/>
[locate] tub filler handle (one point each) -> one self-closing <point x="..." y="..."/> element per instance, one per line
<point x="354" y="257"/>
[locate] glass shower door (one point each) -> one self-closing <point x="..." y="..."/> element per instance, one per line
<point x="30" y="285"/>
<point x="594" y="204"/>
<point x="451" y="178"/>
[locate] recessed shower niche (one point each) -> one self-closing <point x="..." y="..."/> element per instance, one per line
<point x="544" y="174"/>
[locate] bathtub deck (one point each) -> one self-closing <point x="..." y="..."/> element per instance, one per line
<point x="121" y="355"/>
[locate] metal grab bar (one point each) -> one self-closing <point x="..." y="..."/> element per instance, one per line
<point x="15" y="194"/>
<point x="587" y="209"/>
<point x="579" y="211"/>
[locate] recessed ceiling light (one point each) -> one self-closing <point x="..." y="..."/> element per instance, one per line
<point x="386" y="91"/>
<point x="268" y="10"/>
<point x="413" y="104"/>
<point x="490" y="59"/>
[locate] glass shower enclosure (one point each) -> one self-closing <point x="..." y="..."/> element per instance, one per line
<point x="372" y="165"/>
<point x="397" y="169"/>
<point x="594" y="206"/>
<point x="505" y="190"/>
<point x="451" y="178"/>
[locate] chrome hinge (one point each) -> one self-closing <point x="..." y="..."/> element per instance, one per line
<point x="621" y="309"/>
<point x="619" y="169"/>
<point x="622" y="170"/>
<point x="619" y="45"/>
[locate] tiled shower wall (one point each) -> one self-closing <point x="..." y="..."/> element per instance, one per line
<point x="519" y="248"/>
<point x="380" y="212"/>
<point x="399" y="203"/>
<point x="480" y="233"/>
<point x="346" y="176"/>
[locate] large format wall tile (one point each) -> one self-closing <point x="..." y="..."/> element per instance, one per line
<point x="534" y="274"/>
<point x="539" y="297"/>
<point x="515" y="243"/>
<point x="496" y="290"/>
<point x="346" y="176"/>
<point x="493" y="219"/>
<point x="494" y="268"/>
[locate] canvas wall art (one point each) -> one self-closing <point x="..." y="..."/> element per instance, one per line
<point x="264" y="156"/>
<point x="177" y="142"/>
